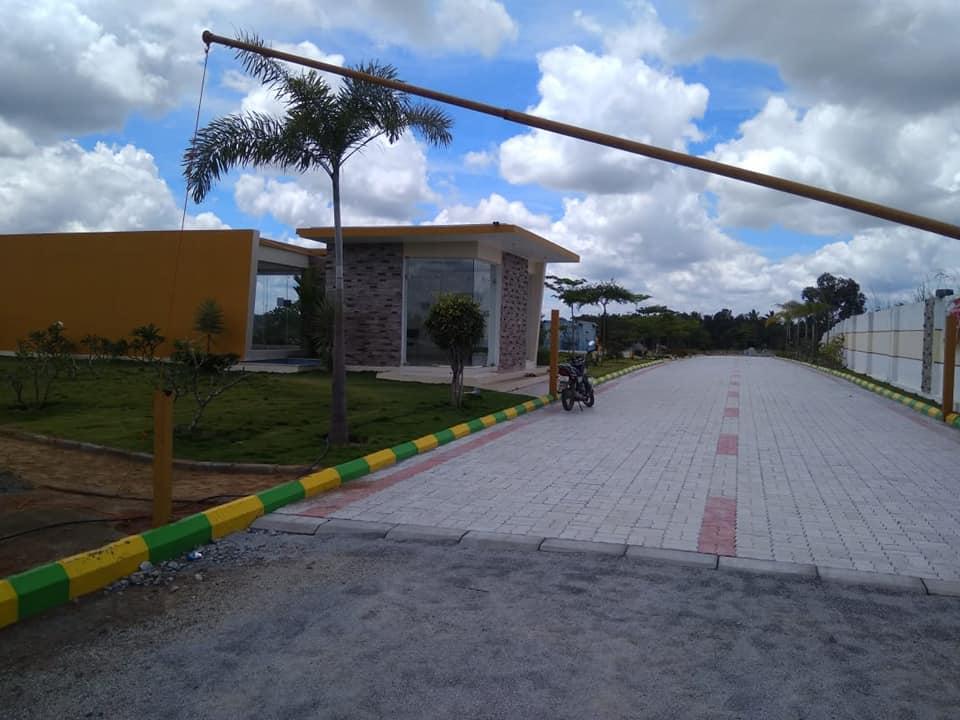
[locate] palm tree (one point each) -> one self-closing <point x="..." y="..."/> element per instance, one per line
<point x="323" y="127"/>
<point x="793" y="313"/>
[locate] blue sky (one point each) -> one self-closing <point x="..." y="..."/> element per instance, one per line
<point x="748" y="82"/>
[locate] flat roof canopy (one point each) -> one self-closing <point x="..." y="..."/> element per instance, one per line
<point x="506" y="238"/>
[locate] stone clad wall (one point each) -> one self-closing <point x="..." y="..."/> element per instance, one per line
<point x="373" y="301"/>
<point x="513" y="312"/>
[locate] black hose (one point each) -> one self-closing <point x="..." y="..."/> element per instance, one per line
<point x="71" y="522"/>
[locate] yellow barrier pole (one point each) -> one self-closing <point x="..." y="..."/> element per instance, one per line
<point x="949" y="362"/>
<point x="162" y="457"/>
<point x="554" y="349"/>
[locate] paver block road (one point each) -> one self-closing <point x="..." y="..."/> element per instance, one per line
<point x="736" y="456"/>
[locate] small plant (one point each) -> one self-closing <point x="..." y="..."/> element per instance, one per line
<point x="41" y="359"/>
<point x="830" y="353"/>
<point x="146" y="340"/>
<point x="208" y="321"/>
<point x="117" y="349"/>
<point x="97" y="349"/>
<point x="201" y="375"/>
<point x="455" y="323"/>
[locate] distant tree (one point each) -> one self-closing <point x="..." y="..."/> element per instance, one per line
<point x="801" y="317"/>
<point x="841" y="295"/>
<point x="602" y="294"/>
<point x="456" y="324"/>
<point x="562" y="288"/>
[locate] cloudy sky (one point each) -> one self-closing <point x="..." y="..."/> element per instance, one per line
<point x="97" y="101"/>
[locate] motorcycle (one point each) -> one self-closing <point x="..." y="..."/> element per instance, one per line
<point x="574" y="383"/>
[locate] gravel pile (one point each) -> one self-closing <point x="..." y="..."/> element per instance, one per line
<point x="236" y="550"/>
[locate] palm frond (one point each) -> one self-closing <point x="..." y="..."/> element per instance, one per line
<point x="232" y="141"/>
<point x="269" y="71"/>
<point x="430" y="122"/>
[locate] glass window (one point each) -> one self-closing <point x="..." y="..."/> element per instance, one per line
<point x="425" y="279"/>
<point x="276" y="316"/>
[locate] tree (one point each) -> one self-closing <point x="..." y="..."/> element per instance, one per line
<point x="841" y="295"/>
<point x="562" y="288"/>
<point x="455" y="323"/>
<point x="793" y="313"/>
<point x="202" y="375"/>
<point x="323" y="127"/>
<point x="602" y="294"/>
<point x="41" y="358"/>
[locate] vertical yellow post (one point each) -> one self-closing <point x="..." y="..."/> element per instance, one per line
<point x="162" y="457"/>
<point x="949" y="362"/>
<point x="554" y="349"/>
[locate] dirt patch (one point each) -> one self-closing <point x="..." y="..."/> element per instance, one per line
<point x="10" y="482"/>
<point x="91" y="499"/>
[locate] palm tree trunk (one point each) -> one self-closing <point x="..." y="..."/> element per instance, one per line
<point x="339" y="432"/>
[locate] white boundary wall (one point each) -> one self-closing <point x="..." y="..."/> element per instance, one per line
<point x="888" y="346"/>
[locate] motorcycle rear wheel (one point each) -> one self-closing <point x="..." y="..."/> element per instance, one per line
<point x="566" y="399"/>
<point x="588" y="398"/>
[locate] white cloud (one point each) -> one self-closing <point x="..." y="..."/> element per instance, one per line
<point x="628" y="98"/>
<point x="14" y="142"/>
<point x="479" y="160"/>
<point x="910" y="162"/>
<point x="385" y="184"/>
<point x="463" y="26"/>
<point x="81" y="66"/>
<point x="494" y="208"/>
<point x="483" y="25"/>
<point x="664" y="244"/>
<point x="78" y="67"/>
<point x="64" y="188"/>
<point x="898" y="54"/>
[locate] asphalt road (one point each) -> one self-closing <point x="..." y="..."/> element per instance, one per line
<point x="339" y="627"/>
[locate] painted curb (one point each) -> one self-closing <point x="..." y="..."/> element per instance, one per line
<point x="47" y="586"/>
<point x="952" y="419"/>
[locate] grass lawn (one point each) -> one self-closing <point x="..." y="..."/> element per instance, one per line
<point x="266" y="418"/>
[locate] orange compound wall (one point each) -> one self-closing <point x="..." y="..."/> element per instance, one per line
<point x="108" y="283"/>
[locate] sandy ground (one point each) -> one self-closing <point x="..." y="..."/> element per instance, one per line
<point x="336" y="627"/>
<point x="42" y="467"/>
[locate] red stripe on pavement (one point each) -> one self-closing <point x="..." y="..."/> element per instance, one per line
<point x="727" y="445"/>
<point x="718" y="531"/>
<point x="331" y="502"/>
<point x="733" y="393"/>
<point x="731" y="412"/>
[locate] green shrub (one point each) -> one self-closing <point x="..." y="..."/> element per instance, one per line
<point x="208" y="320"/>
<point x="830" y="353"/>
<point x="146" y="340"/>
<point x="456" y="324"/>
<point x="41" y="359"/>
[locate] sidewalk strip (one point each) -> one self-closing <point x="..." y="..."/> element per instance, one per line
<point x="718" y="531"/>
<point x="727" y="445"/>
<point x="44" y="587"/>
